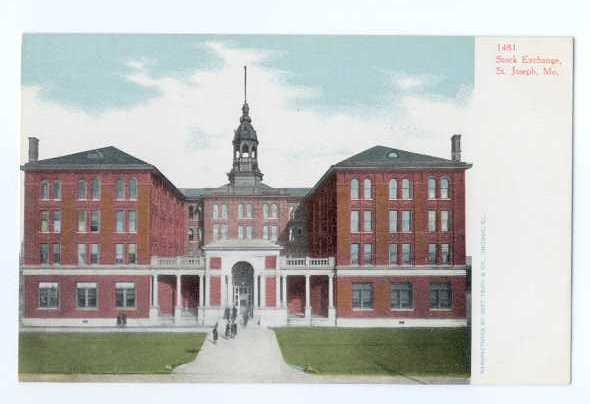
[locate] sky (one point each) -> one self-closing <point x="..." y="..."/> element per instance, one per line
<point x="174" y="100"/>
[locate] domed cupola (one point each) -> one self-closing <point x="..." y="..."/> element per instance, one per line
<point x="245" y="170"/>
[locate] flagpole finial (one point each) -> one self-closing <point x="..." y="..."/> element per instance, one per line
<point x="245" y="84"/>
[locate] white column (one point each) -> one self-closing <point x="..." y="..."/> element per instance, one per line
<point x="201" y="290"/>
<point x="178" y="291"/>
<point x="284" y="300"/>
<point x="307" y="297"/>
<point x="155" y="290"/>
<point x="256" y="290"/>
<point x="262" y="290"/>
<point x="331" y="291"/>
<point x="277" y="289"/>
<point x="207" y="290"/>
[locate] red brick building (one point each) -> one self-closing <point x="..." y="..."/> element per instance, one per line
<point x="378" y="241"/>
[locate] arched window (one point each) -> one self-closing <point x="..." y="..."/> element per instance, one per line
<point x="393" y="188"/>
<point x="265" y="210"/>
<point x="354" y="189"/>
<point x="133" y="188"/>
<point x="244" y="150"/>
<point x="82" y="189"/>
<point x="120" y="188"/>
<point x="215" y="211"/>
<point x="367" y="189"/>
<point x="57" y="190"/>
<point x="44" y="190"/>
<point x="254" y="152"/>
<point x="249" y="210"/>
<point x="444" y="188"/>
<point x="224" y="211"/>
<point x="96" y="189"/>
<point x="191" y="234"/>
<point x="432" y="188"/>
<point x="274" y="210"/>
<point x="406" y="189"/>
<point x="241" y="210"/>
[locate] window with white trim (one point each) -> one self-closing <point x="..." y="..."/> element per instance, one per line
<point x="224" y="211"/>
<point x="432" y="253"/>
<point x="133" y="188"/>
<point x="132" y="219"/>
<point x="48" y="295"/>
<point x="406" y="189"/>
<point x="402" y="296"/>
<point x="249" y="210"/>
<point x="445" y="254"/>
<point x="96" y="189"/>
<point x="94" y="254"/>
<point x="120" y="221"/>
<point x="82" y="254"/>
<point x="125" y="295"/>
<point x="431" y="220"/>
<point x="354" y="253"/>
<point x="119" y="254"/>
<point x="265" y="232"/>
<point x="367" y="254"/>
<point x="82" y="190"/>
<point x="392" y="189"/>
<point x="241" y="232"/>
<point x="57" y="253"/>
<point x="86" y="295"/>
<point x="241" y="213"/>
<point x="367" y="221"/>
<point x="367" y="189"/>
<point x="95" y="221"/>
<point x="392" y="254"/>
<point x="393" y="221"/>
<point x="131" y="254"/>
<point x="444" y="220"/>
<point x="44" y="221"/>
<point x="215" y="211"/>
<point x="406" y="221"/>
<point x="354" y="221"/>
<point x="57" y="221"/>
<point x="57" y="190"/>
<point x="44" y="194"/>
<point x="82" y="221"/>
<point x="440" y="295"/>
<point x="249" y="231"/>
<point x="274" y="211"/>
<point x="444" y="188"/>
<point x="431" y="188"/>
<point x="406" y="254"/>
<point x="274" y="232"/>
<point x="120" y="189"/>
<point x="354" y="189"/>
<point x="362" y="296"/>
<point x="44" y="253"/>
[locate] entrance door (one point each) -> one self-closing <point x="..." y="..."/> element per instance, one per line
<point x="243" y="288"/>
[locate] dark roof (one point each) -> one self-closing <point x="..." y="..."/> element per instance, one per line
<point x="104" y="158"/>
<point x="385" y="157"/>
<point x="259" y="190"/>
<point x="245" y="131"/>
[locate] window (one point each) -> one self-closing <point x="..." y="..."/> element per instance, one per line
<point x="440" y="295"/>
<point x="354" y="189"/>
<point x="431" y="188"/>
<point x="57" y="190"/>
<point x="44" y="253"/>
<point x="57" y="221"/>
<point x="95" y="221"/>
<point x="215" y="211"/>
<point x="431" y="220"/>
<point x="82" y="189"/>
<point x="368" y="254"/>
<point x="393" y="221"/>
<point x="96" y="189"/>
<point x="407" y="221"/>
<point x="224" y="211"/>
<point x="44" y="221"/>
<point x="241" y="210"/>
<point x="367" y="221"/>
<point x="81" y="254"/>
<point x="82" y="221"/>
<point x="119" y="254"/>
<point x="249" y="210"/>
<point x="48" y="295"/>
<point x="120" y="221"/>
<point x="354" y="254"/>
<point x="94" y="253"/>
<point x="432" y="253"/>
<point x="445" y="252"/>
<point x="120" y="188"/>
<point x="191" y="234"/>
<point x="444" y="220"/>
<point x="133" y="188"/>
<point x="125" y="294"/>
<point x="249" y="232"/>
<point x="86" y="295"/>
<point x="57" y="254"/>
<point x="191" y="212"/>
<point x="265" y="210"/>
<point x="44" y="190"/>
<point x="406" y="189"/>
<point x="393" y="189"/>
<point x="444" y="188"/>
<point x="241" y="232"/>
<point x="132" y="217"/>
<point x="392" y="254"/>
<point x="402" y="296"/>
<point x="406" y="254"/>
<point x="216" y="233"/>
<point x="274" y="232"/>
<point x="274" y="211"/>
<point x="131" y="254"/>
<point x="367" y="189"/>
<point x="265" y="232"/>
<point x="362" y="296"/>
<point x="354" y="221"/>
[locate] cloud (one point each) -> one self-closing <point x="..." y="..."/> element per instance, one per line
<point x="187" y="130"/>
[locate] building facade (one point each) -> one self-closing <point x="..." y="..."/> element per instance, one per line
<point x="378" y="241"/>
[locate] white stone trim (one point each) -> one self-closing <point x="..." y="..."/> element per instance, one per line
<point x="109" y="270"/>
<point x="347" y="273"/>
<point x="400" y="322"/>
<point x="86" y="322"/>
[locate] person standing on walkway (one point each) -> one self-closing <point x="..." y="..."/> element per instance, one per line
<point x="215" y="334"/>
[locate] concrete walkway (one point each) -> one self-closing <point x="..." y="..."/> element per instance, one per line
<point x="252" y="356"/>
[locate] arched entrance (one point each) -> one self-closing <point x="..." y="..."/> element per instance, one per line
<point x="243" y="288"/>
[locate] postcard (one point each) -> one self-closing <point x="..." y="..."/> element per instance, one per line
<point x="295" y="209"/>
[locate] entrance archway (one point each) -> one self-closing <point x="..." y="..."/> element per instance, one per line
<point x="243" y="288"/>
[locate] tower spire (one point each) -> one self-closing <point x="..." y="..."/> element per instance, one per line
<point x="245" y="83"/>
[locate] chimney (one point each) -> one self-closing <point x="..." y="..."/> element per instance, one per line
<point x="456" y="147"/>
<point x="33" y="149"/>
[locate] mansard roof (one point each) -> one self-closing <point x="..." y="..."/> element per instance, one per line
<point x="245" y="131"/>
<point x="228" y="190"/>
<point x="387" y="157"/>
<point x="97" y="159"/>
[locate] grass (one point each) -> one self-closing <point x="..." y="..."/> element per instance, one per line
<point x="120" y="353"/>
<point x="377" y="351"/>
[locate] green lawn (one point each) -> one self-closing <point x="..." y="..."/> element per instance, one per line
<point x="106" y="353"/>
<point x="377" y="351"/>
